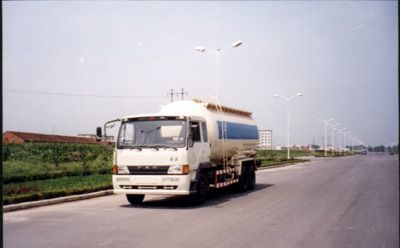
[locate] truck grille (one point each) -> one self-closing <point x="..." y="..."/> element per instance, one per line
<point x="148" y="170"/>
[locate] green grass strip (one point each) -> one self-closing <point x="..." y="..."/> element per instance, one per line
<point x="23" y="171"/>
<point x="47" y="189"/>
<point x="278" y="162"/>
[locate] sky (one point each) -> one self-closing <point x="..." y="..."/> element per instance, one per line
<point x="69" y="66"/>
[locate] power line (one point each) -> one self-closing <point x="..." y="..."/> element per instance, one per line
<point x="74" y="94"/>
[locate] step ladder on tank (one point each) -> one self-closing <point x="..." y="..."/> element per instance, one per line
<point x="226" y="176"/>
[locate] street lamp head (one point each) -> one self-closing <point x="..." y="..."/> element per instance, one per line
<point x="237" y="43"/>
<point x="201" y="49"/>
<point x="276" y="95"/>
<point x="300" y="94"/>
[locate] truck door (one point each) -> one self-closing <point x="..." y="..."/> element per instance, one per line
<point x="200" y="151"/>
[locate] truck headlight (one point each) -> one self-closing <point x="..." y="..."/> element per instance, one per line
<point x="123" y="170"/>
<point x="179" y="169"/>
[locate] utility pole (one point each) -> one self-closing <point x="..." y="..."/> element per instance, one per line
<point x="171" y="94"/>
<point x="182" y="94"/>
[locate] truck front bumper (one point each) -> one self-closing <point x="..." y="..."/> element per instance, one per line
<point x="152" y="185"/>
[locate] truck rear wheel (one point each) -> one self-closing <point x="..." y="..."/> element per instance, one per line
<point x="252" y="178"/>
<point x="243" y="183"/>
<point x="135" y="199"/>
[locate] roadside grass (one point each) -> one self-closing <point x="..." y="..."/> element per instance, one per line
<point x="37" y="171"/>
<point x="282" y="153"/>
<point x="278" y="162"/>
<point x="23" y="171"/>
<point x="52" y="188"/>
<point x="273" y="158"/>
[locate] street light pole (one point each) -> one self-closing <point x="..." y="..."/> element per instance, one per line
<point x="287" y="99"/>
<point x="218" y="60"/>
<point x="333" y="126"/>
<point x="343" y="137"/>
<point x="352" y="141"/>
<point x="217" y="53"/>
<point x="348" y="138"/>
<point x="342" y="143"/>
<point x="325" y="125"/>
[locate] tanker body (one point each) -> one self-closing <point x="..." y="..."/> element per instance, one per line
<point x="186" y="148"/>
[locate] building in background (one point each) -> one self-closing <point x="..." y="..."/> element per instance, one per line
<point x="25" y="137"/>
<point x="265" y="139"/>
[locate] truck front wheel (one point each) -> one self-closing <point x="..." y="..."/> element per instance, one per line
<point x="135" y="199"/>
<point x="202" y="189"/>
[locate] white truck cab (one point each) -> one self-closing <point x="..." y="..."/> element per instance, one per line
<point x="162" y="152"/>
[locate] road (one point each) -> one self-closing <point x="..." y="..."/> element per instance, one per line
<point x="329" y="202"/>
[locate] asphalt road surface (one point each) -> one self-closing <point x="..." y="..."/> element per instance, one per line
<point x="340" y="202"/>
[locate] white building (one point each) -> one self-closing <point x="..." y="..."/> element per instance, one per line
<point x="265" y="139"/>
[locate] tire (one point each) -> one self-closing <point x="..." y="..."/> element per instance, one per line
<point x="243" y="183"/>
<point x="251" y="184"/>
<point x="135" y="199"/>
<point x="202" y="189"/>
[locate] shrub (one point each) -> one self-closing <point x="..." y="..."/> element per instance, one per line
<point x="54" y="153"/>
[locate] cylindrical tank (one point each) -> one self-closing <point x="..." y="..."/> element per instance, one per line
<point x="229" y="128"/>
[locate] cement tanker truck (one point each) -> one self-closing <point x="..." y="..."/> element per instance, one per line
<point x="187" y="148"/>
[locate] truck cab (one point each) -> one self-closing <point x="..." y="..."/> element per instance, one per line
<point x="159" y="155"/>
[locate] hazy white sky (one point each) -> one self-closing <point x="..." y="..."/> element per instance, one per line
<point x="343" y="55"/>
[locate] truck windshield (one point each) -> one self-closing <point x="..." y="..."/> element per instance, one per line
<point x="152" y="134"/>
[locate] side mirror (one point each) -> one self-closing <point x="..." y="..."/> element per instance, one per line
<point x="190" y="141"/>
<point x="98" y="134"/>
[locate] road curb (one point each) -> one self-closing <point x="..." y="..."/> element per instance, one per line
<point x="26" y="205"/>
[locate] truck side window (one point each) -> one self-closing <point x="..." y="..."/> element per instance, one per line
<point x="195" y="130"/>
<point x="204" y="131"/>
